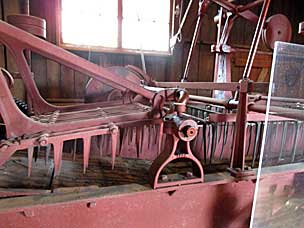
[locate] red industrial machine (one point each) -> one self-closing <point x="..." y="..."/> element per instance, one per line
<point x="167" y="158"/>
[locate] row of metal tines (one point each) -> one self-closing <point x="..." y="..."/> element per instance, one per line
<point x="214" y="144"/>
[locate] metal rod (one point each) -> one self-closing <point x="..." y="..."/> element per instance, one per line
<point x="210" y="100"/>
<point x="203" y="4"/>
<point x="280" y="99"/>
<point x="256" y="39"/>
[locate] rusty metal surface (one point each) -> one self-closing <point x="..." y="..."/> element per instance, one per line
<point x="165" y="128"/>
<point x="217" y="203"/>
<point x="137" y="206"/>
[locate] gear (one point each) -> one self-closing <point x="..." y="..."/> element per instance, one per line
<point x="22" y="106"/>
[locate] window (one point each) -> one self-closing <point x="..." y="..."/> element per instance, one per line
<point x="121" y="25"/>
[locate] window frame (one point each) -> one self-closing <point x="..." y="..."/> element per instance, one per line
<point x="118" y="49"/>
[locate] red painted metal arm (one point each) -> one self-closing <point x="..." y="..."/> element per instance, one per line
<point x="240" y="11"/>
<point x="16" y="38"/>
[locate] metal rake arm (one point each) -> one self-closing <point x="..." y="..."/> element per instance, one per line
<point x="18" y="40"/>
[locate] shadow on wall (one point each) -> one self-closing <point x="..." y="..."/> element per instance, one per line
<point x="229" y="211"/>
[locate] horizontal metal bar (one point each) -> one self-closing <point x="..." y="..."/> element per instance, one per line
<point x="231" y="86"/>
<point x="222" y="86"/>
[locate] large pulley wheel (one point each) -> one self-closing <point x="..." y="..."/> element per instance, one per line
<point x="278" y="28"/>
<point x="96" y="91"/>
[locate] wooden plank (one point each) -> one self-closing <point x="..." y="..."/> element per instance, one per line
<point x="11" y="7"/>
<point x="260" y="61"/>
<point x="156" y="67"/>
<point x="67" y="82"/>
<point x="176" y="63"/>
<point x="14" y="174"/>
<point x="40" y="75"/>
<point x="206" y="67"/>
<point x="104" y="60"/>
<point x="80" y="83"/>
<point x="80" y="79"/>
<point x="208" y="31"/>
<point x="53" y="79"/>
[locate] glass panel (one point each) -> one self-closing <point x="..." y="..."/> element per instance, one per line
<point x="279" y="200"/>
<point x="146" y="24"/>
<point x="90" y="22"/>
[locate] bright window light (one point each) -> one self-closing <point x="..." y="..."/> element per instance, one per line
<point x="144" y="24"/>
<point x="90" y="22"/>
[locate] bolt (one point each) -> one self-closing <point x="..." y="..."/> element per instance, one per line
<point x="164" y="177"/>
<point x="189" y="174"/>
<point x="91" y="204"/>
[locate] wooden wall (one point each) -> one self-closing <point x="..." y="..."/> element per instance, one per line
<point x="56" y="81"/>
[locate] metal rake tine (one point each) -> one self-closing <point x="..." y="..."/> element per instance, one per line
<point x="36" y="152"/>
<point x="138" y="140"/>
<point x="257" y="136"/>
<point x="226" y="126"/>
<point x="142" y="138"/>
<point x="284" y="135"/>
<point x="209" y="136"/>
<point x="161" y="132"/>
<point x="249" y="140"/>
<point x="47" y="153"/>
<point x="233" y="136"/>
<point x="74" y="149"/>
<point x="30" y="152"/>
<point x="125" y="137"/>
<point x="220" y="133"/>
<point x="214" y="140"/>
<point x="100" y="145"/>
<point x="149" y="137"/>
<point x="205" y="143"/>
<point x="114" y="140"/>
<point x="294" y="148"/>
<point x="58" y="147"/>
<point x="86" y="152"/>
<point x="155" y="131"/>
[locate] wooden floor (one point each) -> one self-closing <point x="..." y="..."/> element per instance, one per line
<point x="14" y="173"/>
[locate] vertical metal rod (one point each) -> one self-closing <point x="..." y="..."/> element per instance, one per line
<point x="284" y="135"/>
<point x="214" y="140"/>
<point x="226" y="128"/>
<point x="256" y="39"/>
<point x="238" y="156"/>
<point x="256" y="143"/>
<point x="30" y="152"/>
<point x="203" y="4"/>
<point x="120" y="18"/>
<point x="219" y="31"/>
<point x="249" y="140"/>
<point x="205" y="142"/>
<point x="238" y="153"/>
<point x="295" y="142"/>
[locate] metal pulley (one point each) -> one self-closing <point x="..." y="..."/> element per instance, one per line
<point x="31" y="24"/>
<point x="26" y="22"/>
<point x="278" y="28"/>
<point x="96" y="91"/>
